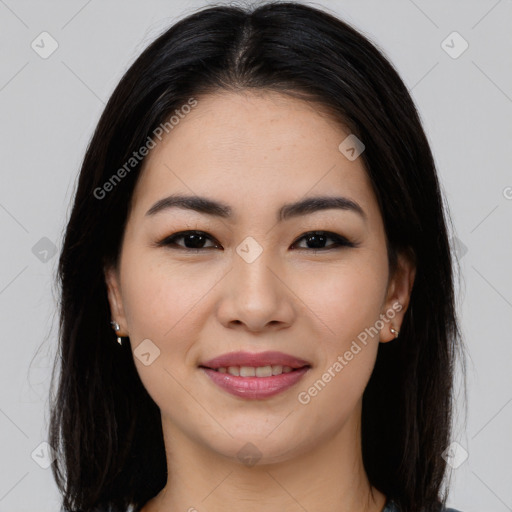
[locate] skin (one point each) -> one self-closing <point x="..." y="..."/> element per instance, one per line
<point x="256" y="151"/>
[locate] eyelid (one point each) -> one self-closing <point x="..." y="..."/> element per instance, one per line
<point x="169" y="240"/>
<point x="340" y="240"/>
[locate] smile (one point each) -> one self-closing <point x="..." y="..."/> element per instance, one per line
<point x="255" y="383"/>
<point x="251" y="371"/>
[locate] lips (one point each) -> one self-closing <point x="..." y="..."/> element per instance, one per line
<point x="255" y="388"/>
<point x="251" y="359"/>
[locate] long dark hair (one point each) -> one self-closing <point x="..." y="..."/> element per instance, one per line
<point x="104" y="427"/>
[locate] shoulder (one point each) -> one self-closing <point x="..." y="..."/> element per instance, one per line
<point x="110" y="508"/>
<point x="391" y="506"/>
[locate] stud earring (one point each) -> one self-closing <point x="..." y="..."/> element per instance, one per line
<point x="116" y="327"/>
<point x="394" y="331"/>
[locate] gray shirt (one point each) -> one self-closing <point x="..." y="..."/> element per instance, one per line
<point x="391" y="506"/>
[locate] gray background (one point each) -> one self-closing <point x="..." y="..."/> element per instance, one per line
<point x="49" y="108"/>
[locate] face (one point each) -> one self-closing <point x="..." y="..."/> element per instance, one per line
<point x="253" y="282"/>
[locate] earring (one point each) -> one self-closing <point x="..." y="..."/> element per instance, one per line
<point x="116" y="327"/>
<point x="396" y="332"/>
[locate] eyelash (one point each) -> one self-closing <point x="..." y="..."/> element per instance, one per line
<point x="340" y="241"/>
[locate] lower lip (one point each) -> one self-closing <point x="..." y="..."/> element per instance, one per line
<point x="256" y="387"/>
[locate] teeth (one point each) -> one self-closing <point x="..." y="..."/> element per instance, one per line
<point x="277" y="369"/>
<point x="247" y="371"/>
<point x="260" y="371"/>
<point x="264" y="371"/>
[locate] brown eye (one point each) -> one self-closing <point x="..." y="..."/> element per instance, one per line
<point x="316" y="240"/>
<point x="193" y="240"/>
<point x="196" y="240"/>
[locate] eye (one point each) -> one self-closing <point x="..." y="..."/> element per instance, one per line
<point x="194" y="240"/>
<point x="317" y="240"/>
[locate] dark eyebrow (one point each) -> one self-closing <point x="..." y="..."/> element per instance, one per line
<point x="313" y="204"/>
<point x="199" y="204"/>
<point x="287" y="211"/>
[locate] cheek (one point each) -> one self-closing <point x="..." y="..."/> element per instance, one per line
<point x="348" y="303"/>
<point x="347" y="298"/>
<point x="161" y="305"/>
<point x="159" y="298"/>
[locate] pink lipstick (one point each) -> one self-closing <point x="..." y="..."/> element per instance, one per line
<point x="255" y="375"/>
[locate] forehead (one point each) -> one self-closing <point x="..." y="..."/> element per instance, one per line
<point x="252" y="149"/>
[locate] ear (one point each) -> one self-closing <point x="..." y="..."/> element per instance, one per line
<point x="114" y="298"/>
<point x="398" y="295"/>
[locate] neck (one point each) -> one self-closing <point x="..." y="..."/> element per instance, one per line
<point x="328" y="476"/>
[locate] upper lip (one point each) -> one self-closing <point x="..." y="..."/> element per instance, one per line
<point x="254" y="359"/>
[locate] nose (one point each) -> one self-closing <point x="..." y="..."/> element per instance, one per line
<point x="255" y="297"/>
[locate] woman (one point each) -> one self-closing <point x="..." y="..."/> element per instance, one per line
<point x="258" y="218"/>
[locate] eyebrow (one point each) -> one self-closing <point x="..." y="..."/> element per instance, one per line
<point x="287" y="211"/>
